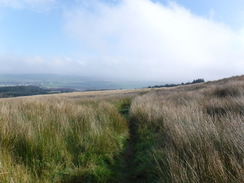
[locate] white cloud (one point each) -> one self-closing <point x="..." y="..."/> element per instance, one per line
<point x="147" y="40"/>
<point x="137" y="39"/>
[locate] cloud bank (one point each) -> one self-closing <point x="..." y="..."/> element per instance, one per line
<point x="138" y="40"/>
<point x="148" y="40"/>
<point x="16" y="64"/>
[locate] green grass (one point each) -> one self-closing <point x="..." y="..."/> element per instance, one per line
<point x="60" y="140"/>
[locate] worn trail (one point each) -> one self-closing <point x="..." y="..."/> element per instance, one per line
<point x="126" y="174"/>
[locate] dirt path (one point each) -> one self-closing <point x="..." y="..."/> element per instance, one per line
<point x="126" y="174"/>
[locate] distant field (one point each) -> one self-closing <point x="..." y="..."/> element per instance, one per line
<point x="192" y="133"/>
<point x="16" y="91"/>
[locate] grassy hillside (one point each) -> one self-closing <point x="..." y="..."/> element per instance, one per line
<point x="192" y="133"/>
<point x="63" y="138"/>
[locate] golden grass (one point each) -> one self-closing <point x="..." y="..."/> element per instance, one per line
<point x="62" y="138"/>
<point x="184" y="134"/>
<point x="192" y="135"/>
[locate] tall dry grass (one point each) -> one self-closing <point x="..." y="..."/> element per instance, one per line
<point x="52" y="139"/>
<point x="183" y="134"/>
<point x="196" y="135"/>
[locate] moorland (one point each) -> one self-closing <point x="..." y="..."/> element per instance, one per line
<point x="186" y="134"/>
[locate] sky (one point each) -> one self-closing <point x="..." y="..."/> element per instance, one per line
<point x="144" y="40"/>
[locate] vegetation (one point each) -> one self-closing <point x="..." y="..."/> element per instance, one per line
<point x="173" y="85"/>
<point x="63" y="138"/>
<point x="188" y="133"/>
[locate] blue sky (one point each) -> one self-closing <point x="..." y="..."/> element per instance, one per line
<point x="160" y="40"/>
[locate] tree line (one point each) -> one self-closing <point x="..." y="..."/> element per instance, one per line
<point x="173" y="85"/>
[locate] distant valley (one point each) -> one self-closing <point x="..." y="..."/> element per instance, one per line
<point x="68" y="81"/>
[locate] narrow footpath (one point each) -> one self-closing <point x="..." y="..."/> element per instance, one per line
<point x="126" y="174"/>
